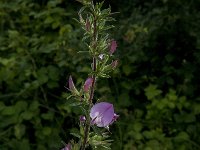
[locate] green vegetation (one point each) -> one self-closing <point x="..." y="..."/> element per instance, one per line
<point x="155" y="89"/>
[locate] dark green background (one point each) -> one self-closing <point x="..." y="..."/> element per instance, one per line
<point x="155" y="89"/>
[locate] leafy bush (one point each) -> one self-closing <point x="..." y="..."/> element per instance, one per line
<point x="38" y="41"/>
<point x="157" y="90"/>
<point x="159" y="75"/>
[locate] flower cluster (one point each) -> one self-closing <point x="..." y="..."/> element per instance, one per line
<point x="102" y="114"/>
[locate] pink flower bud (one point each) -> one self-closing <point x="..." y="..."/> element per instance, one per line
<point x="71" y="83"/>
<point x="82" y="118"/>
<point x="102" y="114"/>
<point x="88" y="84"/>
<point x="113" y="46"/>
<point x="72" y="87"/>
<point x="114" y="64"/>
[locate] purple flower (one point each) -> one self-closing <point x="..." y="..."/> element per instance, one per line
<point x="72" y="87"/>
<point x="113" y="46"/>
<point x="82" y="118"/>
<point x="88" y="84"/>
<point x="67" y="147"/>
<point x="102" y="114"/>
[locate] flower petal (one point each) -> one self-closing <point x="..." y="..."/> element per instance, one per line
<point x="102" y="114"/>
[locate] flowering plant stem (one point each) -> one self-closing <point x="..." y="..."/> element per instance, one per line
<point x="87" y="127"/>
<point x="101" y="49"/>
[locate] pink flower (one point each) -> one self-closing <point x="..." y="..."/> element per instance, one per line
<point x="102" y="114"/>
<point x="88" y="84"/>
<point x="113" y="46"/>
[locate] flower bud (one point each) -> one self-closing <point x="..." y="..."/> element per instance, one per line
<point x="114" y="64"/>
<point x="72" y="87"/>
<point x="82" y="118"/>
<point x="112" y="47"/>
<point x="88" y="84"/>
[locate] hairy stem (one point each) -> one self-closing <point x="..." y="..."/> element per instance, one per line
<point x="93" y="82"/>
<point x="94" y="43"/>
<point x="86" y="133"/>
<point x="87" y="127"/>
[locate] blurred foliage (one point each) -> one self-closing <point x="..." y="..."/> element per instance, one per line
<point x="155" y="89"/>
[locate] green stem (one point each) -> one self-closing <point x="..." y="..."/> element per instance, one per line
<point x="87" y="127"/>
<point x="93" y="82"/>
<point x="86" y="133"/>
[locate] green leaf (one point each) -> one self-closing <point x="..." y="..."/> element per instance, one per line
<point x="46" y="130"/>
<point x="34" y="105"/>
<point x="19" y="130"/>
<point x="27" y="115"/>
<point x="75" y="133"/>
<point x="2" y="106"/>
<point x="137" y="126"/>
<point x="53" y="73"/>
<point x="182" y="136"/>
<point x="124" y="99"/>
<point x="20" y="106"/>
<point x="9" y="110"/>
<point x="48" y="116"/>
<point x="42" y="75"/>
<point x="127" y="69"/>
<point x="151" y="91"/>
